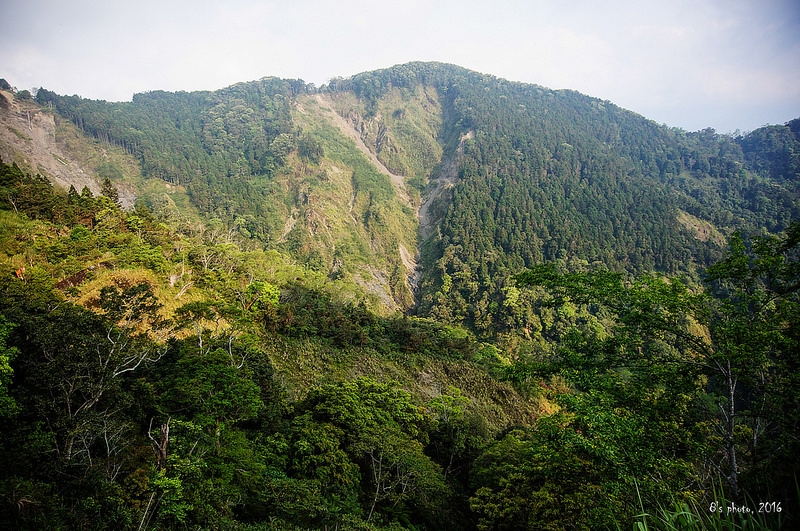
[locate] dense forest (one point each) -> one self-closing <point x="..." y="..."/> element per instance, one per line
<point x="601" y="332"/>
<point x="540" y="175"/>
<point x="553" y="174"/>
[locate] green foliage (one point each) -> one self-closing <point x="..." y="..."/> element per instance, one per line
<point x="108" y="190"/>
<point x="545" y="478"/>
<point x="123" y="419"/>
<point x="618" y="419"/>
<point x="310" y="149"/>
<point x="772" y="151"/>
<point x="21" y="192"/>
<point x="736" y="344"/>
<point x="719" y="513"/>
<point x="207" y="142"/>
<point x="382" y="431"/>
<point x="211" y="391"/>
<point x="754" y="331"/>
<point x="7" y="354"/>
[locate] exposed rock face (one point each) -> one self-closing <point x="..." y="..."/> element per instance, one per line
<point x="28" y="138"/>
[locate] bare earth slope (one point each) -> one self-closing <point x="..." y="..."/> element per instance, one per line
<point x="398" y="181"/>
<point x="31" y="138"/>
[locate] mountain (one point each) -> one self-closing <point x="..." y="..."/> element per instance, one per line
<point x="274" y="306"/>
<point x="433" y="182"/>
<point x="43" y="142"/>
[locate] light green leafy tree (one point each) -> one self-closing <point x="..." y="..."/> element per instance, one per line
<point x="740" y="339"/>
<point x="383" y="433"/>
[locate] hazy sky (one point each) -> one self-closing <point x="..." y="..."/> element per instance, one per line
<point x="727" y="64"/>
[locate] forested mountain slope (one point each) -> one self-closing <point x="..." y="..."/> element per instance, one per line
<point x="273" y="169"/>
<point x="555" y="174"/>
<point x="501" y="176"/>
<point x="43" y="142"/>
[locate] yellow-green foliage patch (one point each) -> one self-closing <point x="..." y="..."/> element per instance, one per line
<point x="301" y="364"/>
<point x="700" y="229"/>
